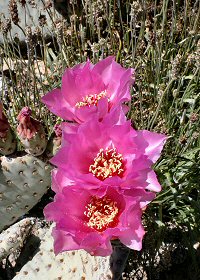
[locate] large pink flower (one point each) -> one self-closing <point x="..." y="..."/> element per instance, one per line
<point x="88" y="221"/>
<point x="89" y="90"/>
<point x="97" y="154"/>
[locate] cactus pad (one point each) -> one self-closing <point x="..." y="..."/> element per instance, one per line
<point x="68" y="265"/>
<point x="14" y="236"/>
<point x="31" y="133"/>
<point x="54" y="143"/>
<point x="7" y="143"/>
<point x="23" y="181"/>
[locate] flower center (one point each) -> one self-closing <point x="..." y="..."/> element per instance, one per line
<point x="91" y="99"/>
<point x="102" y="213"/>
<point x="107" y="163"/>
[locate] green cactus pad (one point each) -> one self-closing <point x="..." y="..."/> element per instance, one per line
<point x="37" y="144"/>
<point x="7" y="144"/>
<point x="53" y="146"/>
<point x="23" y="181"/>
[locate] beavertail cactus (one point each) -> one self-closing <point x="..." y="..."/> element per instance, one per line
<point x="14" y="237"/>
<point x="31" y="133"/>
<point x="23" y="181"/>
<point x="7" y="141"/>
<point x="68" y="265"/>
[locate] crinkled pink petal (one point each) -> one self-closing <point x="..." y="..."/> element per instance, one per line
<point x="139" y="194"/>
<point x="112" y="73"/>
<point x="69" y="130"/>
<point x="63" y="241"/>
<point x="104" y="68"/>
<point x="69" y="90"/>
<point x="96" y="245"/>
<point x="88" y="81"/>
<point x="102" y="108"/>
<point x="66" y="207"/>
<point x="132" y="237"/>
<point x="123" y="91"/>
<point x="85" y="113"/>
<point x="125" y="108"/>
<point x="61" y="157"/>
<point x="55" y="184"/>
<point x="153" y="184"/>
<point x="155" y="143"/>
<point x="123" y="129"/>
<point x="79" y="82"/>
<point x="136" y="174"/>
<point x="116" y="116"/>
<point x="51" y="212"/>
<point x="60" y="180"/>
<point x="57" y="105"/>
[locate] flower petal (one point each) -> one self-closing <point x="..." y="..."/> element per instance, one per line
<point x="152" y="180"/>
<point x="63" y="241"/>
<point x="57" y="105"/>
<point x="132" y="237"/>
<point x="155" y="143"/>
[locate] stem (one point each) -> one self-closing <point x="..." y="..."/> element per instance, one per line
<point x="118" y="259"/>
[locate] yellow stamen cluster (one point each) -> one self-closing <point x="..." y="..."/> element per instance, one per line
<point x="91" y="99"/>
<point x="102" y="213"/>
<point x="107" y="164"/>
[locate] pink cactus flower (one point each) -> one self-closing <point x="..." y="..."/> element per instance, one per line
<point x="58" y="130"/>
<point x="102" y="153"/>
<point x="88" y="90"/>
<point x="90" y="220"/>
<point x="27" y="126"/>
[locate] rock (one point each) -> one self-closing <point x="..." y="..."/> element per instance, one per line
<point x="28" y="16"/>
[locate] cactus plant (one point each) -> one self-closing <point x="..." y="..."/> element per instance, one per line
<point x="13" y="237"/>
<point x="159" y="38"/>
<point x="31" y="133"/>
<point x="68" y="265"/>
<point x="23" y="181"/>
<point x="54" y="141"/>
<point x="7" y="141"/>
